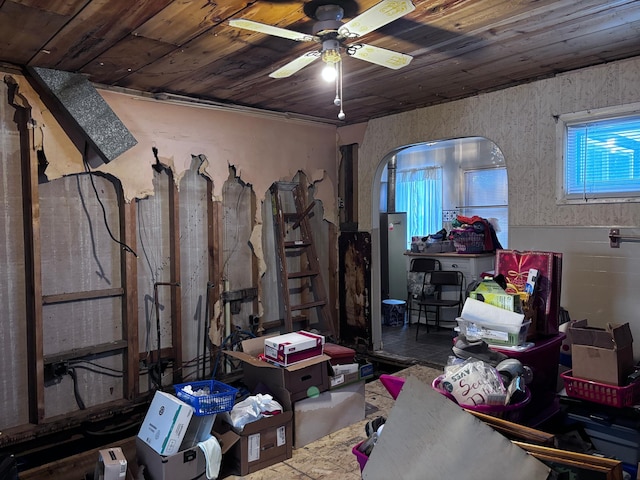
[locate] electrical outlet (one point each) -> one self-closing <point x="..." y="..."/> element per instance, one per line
<point x="449" y="215"/>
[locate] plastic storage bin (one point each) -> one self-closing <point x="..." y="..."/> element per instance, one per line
<point x="361" y="457"/>
<point x="393" y="312"/>
<point x="211" y="396"/>
<point x="601" y="392"/>
<point x="467" y="240"/>
<point x="494" y="334"/>
<point x="611" y="438"/>
<point x="512" y="413"/>
<point x="544" y="360"/>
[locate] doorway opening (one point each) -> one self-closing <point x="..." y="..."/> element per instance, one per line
<point x="418" y="191"/>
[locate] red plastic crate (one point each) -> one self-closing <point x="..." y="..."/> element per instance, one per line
<point x="602" y="393"/>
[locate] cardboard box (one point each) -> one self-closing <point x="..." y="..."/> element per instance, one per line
<point x="292" y="348"/>
<point x="199" y="429"/>
<point x="260" y="444"/>
<point x="287" y="384"/>
<point x="488" y="291"/>
<point x="313" y="418"/>
<point x="349" y="373"/>
<point x="601" y="354"/>
<point x="112" y="465"/>
<point x="183" y="465"/>
<point x="165" y="423"/>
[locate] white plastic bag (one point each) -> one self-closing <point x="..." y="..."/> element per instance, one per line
<point x="251" y="409"/>
<point x="474" y="382"/>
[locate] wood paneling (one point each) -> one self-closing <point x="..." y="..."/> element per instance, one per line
<point x="460" y="48"/>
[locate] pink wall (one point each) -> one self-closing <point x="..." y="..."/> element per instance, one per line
<point x="262" y="148"/>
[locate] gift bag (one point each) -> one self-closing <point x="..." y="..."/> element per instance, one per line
<point x="515" y="266"/>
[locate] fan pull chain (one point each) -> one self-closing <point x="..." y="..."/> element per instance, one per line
<point x="341" y="114"/>
<point x="337" y="101"/>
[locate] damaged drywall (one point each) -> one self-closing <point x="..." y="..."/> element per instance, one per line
<point x="263" y="149"/>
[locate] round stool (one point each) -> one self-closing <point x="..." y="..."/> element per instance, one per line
<point x="393" y="312"/>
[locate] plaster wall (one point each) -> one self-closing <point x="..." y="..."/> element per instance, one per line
<point x="262" y="148"/>
<point x="521" y="122"/>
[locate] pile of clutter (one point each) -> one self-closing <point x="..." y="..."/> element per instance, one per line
<point x="501" y="319"/>
<point x="477" y="375"/>
<point x="438" y="242"/>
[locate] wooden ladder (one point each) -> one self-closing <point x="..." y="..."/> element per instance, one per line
<point x="294" y="240"/>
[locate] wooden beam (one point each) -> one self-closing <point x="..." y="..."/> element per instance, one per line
<point x="128" y="230"/>
<point x="176" y="297"/>
<point x="217" y="213"/>
<point x="82" y="465"/>
<point x="32" y="252"/>
<point x="332" y="253"/>
<point x="78" y="296"/>
<point x="85" y="352"/>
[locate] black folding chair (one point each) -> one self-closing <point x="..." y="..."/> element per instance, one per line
<point x="418" y="286"/>
<point x="442" y="281"/>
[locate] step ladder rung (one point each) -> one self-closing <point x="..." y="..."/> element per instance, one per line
<point x="303" y="274"/>
<point x="304" y="306"/>
<point x="273" y="324"/>
<point x="296" y="244"/>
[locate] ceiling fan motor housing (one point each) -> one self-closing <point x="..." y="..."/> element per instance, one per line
<point x="329" y="12"/>
<point x="328" y="28"/>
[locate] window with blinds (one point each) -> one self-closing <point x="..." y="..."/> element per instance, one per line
<point x="602" y="159"/>
<point x="486" y="194"/>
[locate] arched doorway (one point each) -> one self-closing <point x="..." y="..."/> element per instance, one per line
<point x="462" y="176"/>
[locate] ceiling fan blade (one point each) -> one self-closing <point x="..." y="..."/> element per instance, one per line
<point x="377" y="16"/>
<point x="271" y="30"/>
<point x="379" y="56"/>
<point x="296" y="65"/>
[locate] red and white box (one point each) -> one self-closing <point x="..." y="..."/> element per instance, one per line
<point x="293" y="347"/>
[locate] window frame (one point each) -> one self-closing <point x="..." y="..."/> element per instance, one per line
<point x="465" y="208"/>
<point x="566" y="120"/>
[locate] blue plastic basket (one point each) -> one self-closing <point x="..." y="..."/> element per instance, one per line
<point x="211" y="396"/>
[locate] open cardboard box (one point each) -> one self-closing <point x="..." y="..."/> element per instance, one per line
<point x="186" y="464"/>
<point x="287" y="384"/>
<point x="260" y="444"/>
<point x="601" y="354"/>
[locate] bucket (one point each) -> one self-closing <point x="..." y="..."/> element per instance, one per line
<point x="393" y="312"/>
<point x="361" y="457"/>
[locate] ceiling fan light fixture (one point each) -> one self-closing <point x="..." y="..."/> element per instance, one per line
<point x="331" y="56"/>
<point x="331" y="33"/>
<point x="329" y="72"/>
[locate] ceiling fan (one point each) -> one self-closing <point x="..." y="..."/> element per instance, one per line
<point x="332" y="34"/>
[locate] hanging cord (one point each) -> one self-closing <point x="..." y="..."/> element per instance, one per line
<point x="76" y="392"/>
<point x="124" y="246"/>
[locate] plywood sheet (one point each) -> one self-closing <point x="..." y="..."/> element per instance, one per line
<point x="427" y="432"/>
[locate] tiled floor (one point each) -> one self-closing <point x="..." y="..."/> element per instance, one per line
<point x="432" y="349"/>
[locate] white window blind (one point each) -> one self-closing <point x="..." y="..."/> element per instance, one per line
<point x="602" y="158"/>
<point x="486" y="195"/>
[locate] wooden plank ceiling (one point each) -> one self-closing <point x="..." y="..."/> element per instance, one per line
<point x="187" y="48"/>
